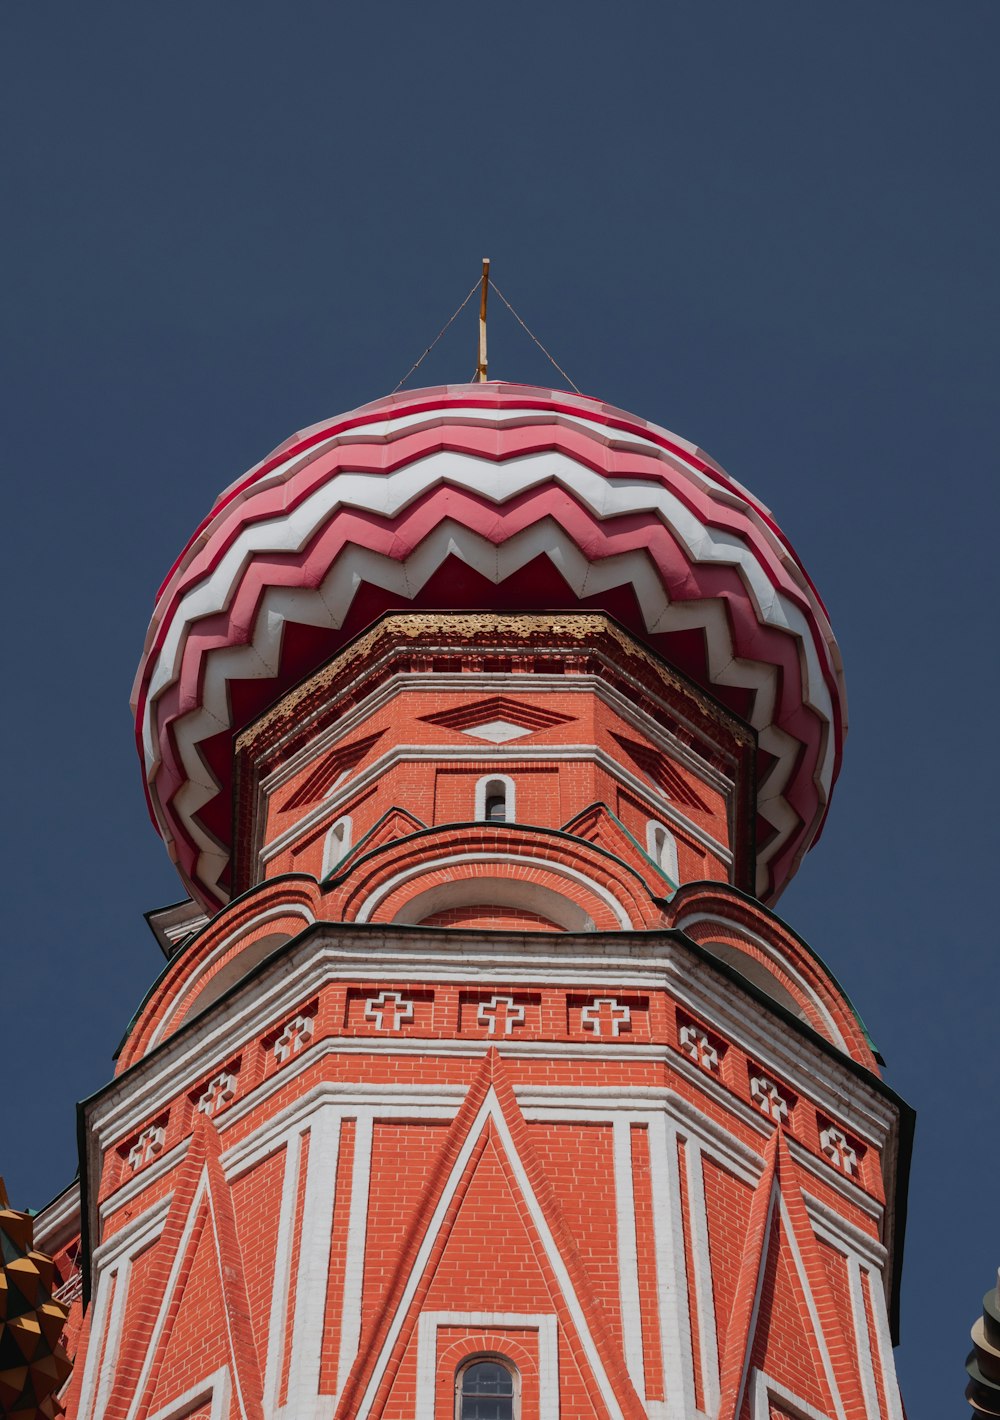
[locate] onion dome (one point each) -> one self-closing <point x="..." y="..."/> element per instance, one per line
<point x="33" y="1365"/>
<point x="983" y="1364"/>
<point x="496" y="497"/>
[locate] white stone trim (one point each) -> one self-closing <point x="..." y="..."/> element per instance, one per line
<point x="665" y="850"/>
<point x="862" y="1339"/>
<point x="281" y="1285"/>
<point x="890" y="1384"/>
<point x="188" y="981"/>
<point x="492" y="683"/>
<point x="671" y="1276"/>
<point x="722" y="1145"/>
<point x="548" y="1354"/>
<point x="828" y="1369"/>
<point x="701" y="1261"/>
<point x="628" y="1255"/>
<point x="216" y="1388"/>
<point x="529" y="959"/>
<point x="336" y="847"/>
<point x="774" y="955"/>
<point x="315" y="1236"/>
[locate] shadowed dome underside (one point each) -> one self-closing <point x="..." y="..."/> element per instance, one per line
<point x="499" y="497"/>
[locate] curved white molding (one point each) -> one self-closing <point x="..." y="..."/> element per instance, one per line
<point x="187" y="982"/>
<point x="455" y="860"/>
<point x="772" y="986"/>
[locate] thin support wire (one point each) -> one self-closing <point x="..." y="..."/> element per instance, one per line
<point x="528" y="332"/>
<point x="417" y="363"/>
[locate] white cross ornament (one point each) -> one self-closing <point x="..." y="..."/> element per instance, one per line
<point x="498" y="1007"/>
<point x="606" y="1011"/>
<point x="392" y="1004"/>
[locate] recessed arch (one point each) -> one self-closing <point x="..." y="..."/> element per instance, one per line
<point x="661" y="845"/>
<point x="565" y="882"/>
<point x="496" y="799"/>
<point x="337" y="843"/>
<point x="487" y="1384"/>
<point x="498" y="892"/>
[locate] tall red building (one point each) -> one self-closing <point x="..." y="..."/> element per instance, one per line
<point x="484" y="725"/>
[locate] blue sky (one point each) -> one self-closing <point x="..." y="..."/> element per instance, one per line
<point x="769" y="227"/>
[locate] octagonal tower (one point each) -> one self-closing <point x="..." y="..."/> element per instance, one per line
<point x="484" y="724"/>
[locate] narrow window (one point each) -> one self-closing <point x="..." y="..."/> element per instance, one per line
<point x="662" y="848"/>
<point x="495" y="799"/>
<point x="486" y="1390"/>
<point x="338" y="844"/>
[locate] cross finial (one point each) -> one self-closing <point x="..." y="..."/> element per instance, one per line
<point x="481" y="367"/>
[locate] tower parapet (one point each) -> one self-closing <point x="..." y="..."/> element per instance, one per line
<point x="483" y="724"/>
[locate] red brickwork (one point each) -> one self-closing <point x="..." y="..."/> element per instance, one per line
<point x="489" y="1088"/>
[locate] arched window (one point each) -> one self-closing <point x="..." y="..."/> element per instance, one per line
<point x="495" y="799"/>
<point x="338" y="844"/>
<point x="662" y="848"/>
<point x="486" y="1388"/>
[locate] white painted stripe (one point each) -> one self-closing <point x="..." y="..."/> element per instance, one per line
<point x="628" y="1255"/>
<point x="701" y="1259"/>
<point x="862" y="1340"/>
<point x="357" y="1233"/>
<point x="314" y="1260"/>
<point x="671" y="1278"/>
<point x="548" y="865"/>
<point x="764" y="1387"/>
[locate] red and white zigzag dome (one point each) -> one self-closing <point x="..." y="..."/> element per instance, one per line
<point x="494" y="496"/>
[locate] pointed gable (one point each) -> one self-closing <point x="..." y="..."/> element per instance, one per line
<point x="781" y="1295"/>
<point x="487" y="1199"/>
<point x="597" y="824"/>
<point x="328" y="771"/>
<point x="664" y="774"/>
<point x="194" y="1317"/>
<point x="394" y="824"/>
<point x="497" y="718"/>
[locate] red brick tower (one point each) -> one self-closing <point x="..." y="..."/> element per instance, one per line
<point x="482" y="724"/>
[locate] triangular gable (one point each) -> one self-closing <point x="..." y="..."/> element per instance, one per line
<point x="465" y="717"/>
<point x="394" y="824"/>
<point x="489" y="1115"/>
<point x="781" y="1283"/>
<point x="198" y="1248"/>
<point x="325" y="775"/>
<point x="663" y="772"/>
<point x="598" y="825"/>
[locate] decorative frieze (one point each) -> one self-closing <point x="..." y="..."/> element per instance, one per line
<point x="768" y="1098"/>
<point x="149" y="1143"/>
<point x="606" y="1016"/>
<point x="389" y="1010"/>
<point x="696" y="1043"/>
<point x="838" y="1150"/>
<point x="499" y="1015"/>
<point x="217" y="1094"/>
<point x="294" y="1038"/>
